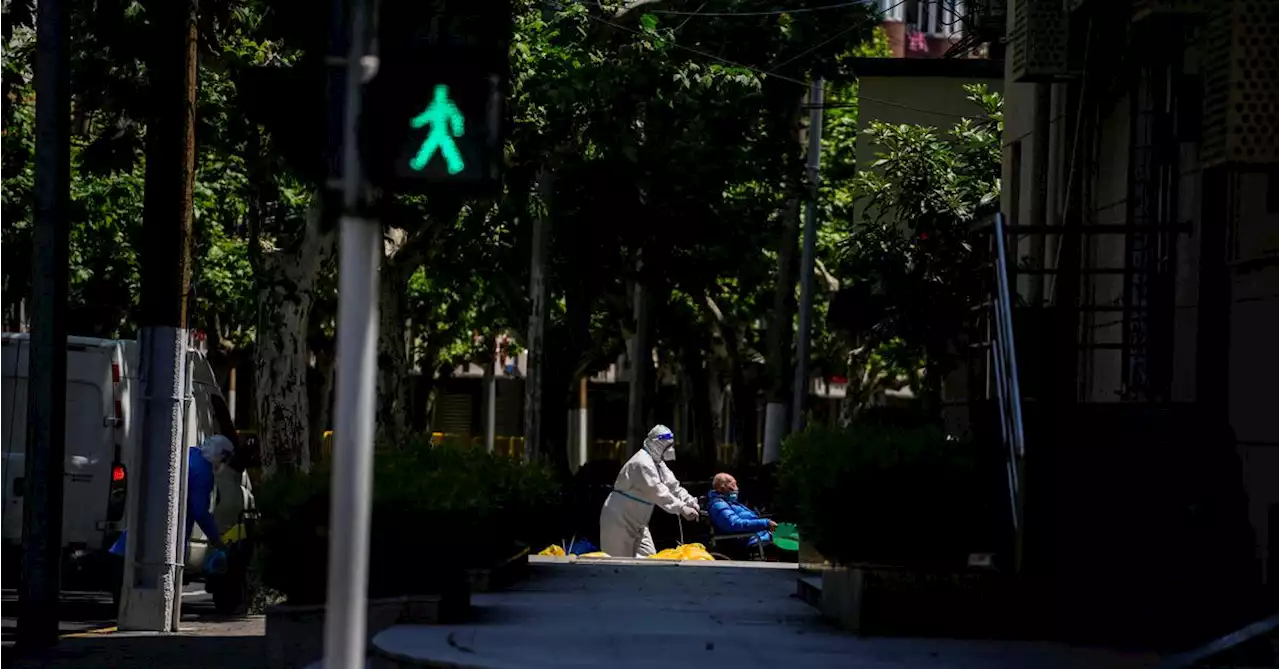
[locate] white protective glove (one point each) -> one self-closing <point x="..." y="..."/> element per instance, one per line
<point x="689" y="513"/>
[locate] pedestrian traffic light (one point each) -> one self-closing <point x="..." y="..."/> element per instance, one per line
<point x="432" y="116"/>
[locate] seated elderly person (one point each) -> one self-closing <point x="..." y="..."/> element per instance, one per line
<point x="730" y="517"/>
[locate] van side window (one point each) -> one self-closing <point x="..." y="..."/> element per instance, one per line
<point x="222" y="420"/>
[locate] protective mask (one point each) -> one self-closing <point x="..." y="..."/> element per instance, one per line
<point x="732" y="497"/>
<point x="669" y="455"/>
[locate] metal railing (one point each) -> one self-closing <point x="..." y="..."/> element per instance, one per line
<point x="1004" y="363"/>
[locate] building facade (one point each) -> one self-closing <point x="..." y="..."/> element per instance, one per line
<point x="924" y="28"/>
<point x="1140" y="173"/>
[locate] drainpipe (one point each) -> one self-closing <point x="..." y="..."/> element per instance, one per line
<point x="1040" y="204"/>
<point x="1053" y="192"/>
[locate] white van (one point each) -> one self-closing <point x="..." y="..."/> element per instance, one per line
<point x="103" y="432"/>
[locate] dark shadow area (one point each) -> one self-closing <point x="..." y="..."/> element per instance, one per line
<point x="145" y="652"/>
<point x="1136" y="527"/>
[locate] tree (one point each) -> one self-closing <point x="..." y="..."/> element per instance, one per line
<point x="910" y="261"/>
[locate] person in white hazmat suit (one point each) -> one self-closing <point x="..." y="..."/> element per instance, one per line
<point x="644" y="482"/>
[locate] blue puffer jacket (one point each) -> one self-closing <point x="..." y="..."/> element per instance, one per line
<point x="734" y="518"/>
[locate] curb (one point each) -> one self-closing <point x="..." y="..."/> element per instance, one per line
<point x="89" y="633"/>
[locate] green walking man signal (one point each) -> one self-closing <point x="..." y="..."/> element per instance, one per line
<point x="444" y="122"/>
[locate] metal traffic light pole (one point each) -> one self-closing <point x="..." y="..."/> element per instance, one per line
<point x="352" y="488"/>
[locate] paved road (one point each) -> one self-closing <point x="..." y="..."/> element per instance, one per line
<point x="87" y="611"/>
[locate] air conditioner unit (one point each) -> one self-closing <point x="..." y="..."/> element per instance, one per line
<point x="1146" y="10"/>
<point x="1082" y="5"/>
<point x="1038" y="46"/>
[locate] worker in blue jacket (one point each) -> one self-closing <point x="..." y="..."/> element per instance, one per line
<point x="730" y="517"/>
<point x="203" y="464"/>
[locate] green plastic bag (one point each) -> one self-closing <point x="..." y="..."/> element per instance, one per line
<point x="787" y="537"/>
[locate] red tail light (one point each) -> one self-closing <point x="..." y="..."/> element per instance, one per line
<point x="115" y="372"/>
<point x="117" y="473"/>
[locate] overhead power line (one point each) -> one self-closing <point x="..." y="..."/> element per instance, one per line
<point x="771" y="12"/>
<point x="775" y="75"/>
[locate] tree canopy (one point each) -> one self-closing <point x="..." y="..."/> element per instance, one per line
<point x="659" y="140"/>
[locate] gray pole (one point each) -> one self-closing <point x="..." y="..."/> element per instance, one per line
<point x="360" y="254"/>
<point x="188" y="416"/>
<point x="156" y="541"/>
<point x="801" y="390"/>
<point x="489" y="392"/>
<point x="47" y="362"/>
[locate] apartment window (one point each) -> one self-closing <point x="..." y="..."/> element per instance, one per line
<point x="939" y="18"/>
<point x="892" y="10"/>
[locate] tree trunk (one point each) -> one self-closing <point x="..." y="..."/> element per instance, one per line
<point x="778" y="358"/>
<point x="320" y="400"/>
<point x="533" y="409"/>
<point x="703" y="428"/>
<point x="640" y="355"/>
<point x="286" y="293"/>
<point x="393" y="356"/>
<point x="427" y="380"/>
<point x="744" y="419"/>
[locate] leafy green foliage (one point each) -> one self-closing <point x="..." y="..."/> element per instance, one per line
<point x="911" y="256"/>
<point x="886" y="492"/>
<point x="436" y="511"/>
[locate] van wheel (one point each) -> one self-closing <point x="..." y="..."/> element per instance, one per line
<point x="115" y="581"/>
<point x="231" y="597"/>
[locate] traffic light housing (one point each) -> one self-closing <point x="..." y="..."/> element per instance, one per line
<point x="433" y="115"/>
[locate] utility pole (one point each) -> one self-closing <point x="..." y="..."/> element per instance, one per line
<point x="156" y="543"/>
<point x="357" y="344"/>
<point x="537" y="320"/>
<point x="489" y="393"/>
<point x="641" y="354"/>
<point x="801" y="390"/>
<point x="47" y="362"/>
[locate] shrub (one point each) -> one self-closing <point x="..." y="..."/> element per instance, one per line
<point x="436" y="511"/>
<point x="883" y="493"/>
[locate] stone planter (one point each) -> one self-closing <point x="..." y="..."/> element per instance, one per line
<point x="809" y="557"/>
<point x="878" y="599"/>
<point x="295" y="634"/>
<point x="503" y="574"/>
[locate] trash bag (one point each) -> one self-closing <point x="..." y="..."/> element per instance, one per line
<point x="685" y="552"/>
<point x="554" y="550"/>
<point x="236" y="533"/>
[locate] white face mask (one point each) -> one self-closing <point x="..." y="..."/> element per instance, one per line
<point x="669" y="455"/>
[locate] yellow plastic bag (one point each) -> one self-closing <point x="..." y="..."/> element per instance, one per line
<point x="594" y="554"/>
<point x="234" y="534"/>
<point x="553" y="550"/>
<point x="685" y="552"/>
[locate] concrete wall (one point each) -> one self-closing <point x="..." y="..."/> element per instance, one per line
<point x="1252" y="358"/>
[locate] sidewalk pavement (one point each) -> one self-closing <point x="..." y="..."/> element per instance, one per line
<point x="583" y="614"/>
<point x="232" y="643"/>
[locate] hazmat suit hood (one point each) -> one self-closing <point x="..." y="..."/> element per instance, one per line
<point x="660" y="444"/>
<point x="217" y="450"/>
